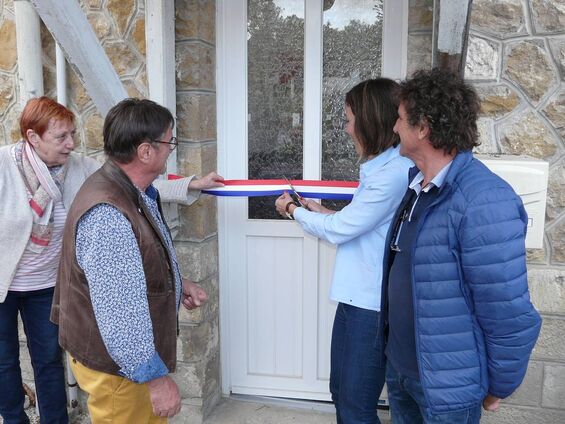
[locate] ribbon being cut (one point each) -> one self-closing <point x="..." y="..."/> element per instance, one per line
<point x="313" y="189"/>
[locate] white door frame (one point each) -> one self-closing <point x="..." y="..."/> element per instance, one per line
<point x="230" y="20"/>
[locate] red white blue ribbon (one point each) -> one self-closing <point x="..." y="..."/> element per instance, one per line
<point x="314" y="189"/>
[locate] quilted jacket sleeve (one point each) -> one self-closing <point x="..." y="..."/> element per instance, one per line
<point x="493" y="258"/>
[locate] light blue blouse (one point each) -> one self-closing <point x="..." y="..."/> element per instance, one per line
<point x="360" y="229"/>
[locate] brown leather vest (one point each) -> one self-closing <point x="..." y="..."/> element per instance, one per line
<point x="72" y="307"/>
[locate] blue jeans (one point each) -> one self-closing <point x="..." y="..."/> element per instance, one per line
<point x="357" y="374"/>
<point x="46" y="358"/>
<point x="408" y="405"/>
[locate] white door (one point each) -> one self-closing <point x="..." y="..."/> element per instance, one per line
<point x="283" y="69"/>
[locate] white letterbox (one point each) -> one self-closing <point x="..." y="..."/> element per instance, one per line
<point x="528" y="177"/>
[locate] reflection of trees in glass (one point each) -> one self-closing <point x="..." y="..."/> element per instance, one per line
<point x="351" y="55"/>
<point x="275" y="49"/>
<point x="275" y="91"/>
<point x="275" y="88"/>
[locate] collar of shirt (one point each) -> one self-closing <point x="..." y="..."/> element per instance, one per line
<point x="379" y="160"/>
<point x="437" y="181"/>
<point x="149" y="195"/>
<point x="152" y="192"/>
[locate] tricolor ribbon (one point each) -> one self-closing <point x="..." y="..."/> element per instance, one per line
<point x="314" y="189"/>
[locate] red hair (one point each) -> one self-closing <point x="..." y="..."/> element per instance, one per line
<point x="39" y="111"/>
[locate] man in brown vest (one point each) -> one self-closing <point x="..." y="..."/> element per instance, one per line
<point x="119" y="286"/>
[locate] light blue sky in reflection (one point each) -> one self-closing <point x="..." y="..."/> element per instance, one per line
<point x="340" y="14"/>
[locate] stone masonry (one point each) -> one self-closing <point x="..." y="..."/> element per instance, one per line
<point x="197" y="243"/>
<point x="516" y="61"/>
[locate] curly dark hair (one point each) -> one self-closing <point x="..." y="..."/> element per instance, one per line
<point x="374" y="103"/>
<point x="447" y="104"/>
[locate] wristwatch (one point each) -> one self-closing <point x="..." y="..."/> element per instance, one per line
<point x="287" y="209"/>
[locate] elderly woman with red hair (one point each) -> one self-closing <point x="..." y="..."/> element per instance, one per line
<point x="39" y="177"/>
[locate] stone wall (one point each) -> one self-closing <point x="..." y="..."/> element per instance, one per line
<point x="516" y="61"/>
<point x="9" y="110"/>
<point x="198" y="372"/>
<point x="120" y="27"/>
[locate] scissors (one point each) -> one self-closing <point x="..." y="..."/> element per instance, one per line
<point x="293" y="193"/>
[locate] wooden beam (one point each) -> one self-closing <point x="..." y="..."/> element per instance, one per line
<point x="28" y="41"/>
<point x="451" y="33"/>
<point x="70" y="28"/>
<point x="160" y="59"/>
<point x="161" y="77"/>
<point x="395" y="39"/>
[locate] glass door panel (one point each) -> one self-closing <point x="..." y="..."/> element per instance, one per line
<point x="275" y="83"/>
<point x="352" y="52"/>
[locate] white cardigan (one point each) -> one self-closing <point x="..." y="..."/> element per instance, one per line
<point x="15" y="214"/>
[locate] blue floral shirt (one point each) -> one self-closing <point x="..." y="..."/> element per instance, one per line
<point x="109" y="255"/>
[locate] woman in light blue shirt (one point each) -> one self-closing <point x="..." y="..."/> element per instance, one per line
<point x="359" y="230"/>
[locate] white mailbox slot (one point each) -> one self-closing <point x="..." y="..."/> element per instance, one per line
<point x="528" y="177"/>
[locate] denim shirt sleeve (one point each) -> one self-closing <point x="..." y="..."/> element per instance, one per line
<point x="375" y="201"/>
<point x="108" y="253"/>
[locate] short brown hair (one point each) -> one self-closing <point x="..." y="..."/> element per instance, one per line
<point x="39" y="111"/>
<point x="132" y="122"/>
<point x="374" y="103"/>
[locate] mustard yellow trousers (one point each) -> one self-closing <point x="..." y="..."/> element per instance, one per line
<point x="113" y="399"/>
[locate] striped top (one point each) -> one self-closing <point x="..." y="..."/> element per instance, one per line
<point x="38" y="271"/>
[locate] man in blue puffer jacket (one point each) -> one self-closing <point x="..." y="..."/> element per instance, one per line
<point x="456" y="312"/>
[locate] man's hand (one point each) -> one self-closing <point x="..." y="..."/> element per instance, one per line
<point x="193" y="295"/>
<point x="165" y="396"/>
<point x="208" y="181"/>
<point x="491" y="403"/>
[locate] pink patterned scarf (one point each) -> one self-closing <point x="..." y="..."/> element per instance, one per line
<point x="45" y="185"/>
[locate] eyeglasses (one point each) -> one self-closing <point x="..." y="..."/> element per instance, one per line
<point x="173" y="143"/>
